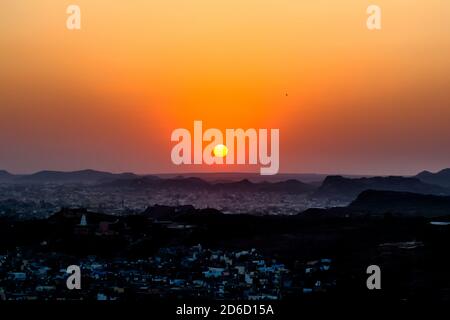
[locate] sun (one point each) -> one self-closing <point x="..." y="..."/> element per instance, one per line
<point x="220" y="151"/>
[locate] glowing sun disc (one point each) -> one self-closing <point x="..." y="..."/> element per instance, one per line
<point x="220" y="151"/>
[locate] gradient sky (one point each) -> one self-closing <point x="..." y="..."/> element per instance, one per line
<point x="108" y="96"/>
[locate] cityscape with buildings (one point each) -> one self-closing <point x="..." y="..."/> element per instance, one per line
<point x="175" y="238"/>
<point x="173" y="272"/>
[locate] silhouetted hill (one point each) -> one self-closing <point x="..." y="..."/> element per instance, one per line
<point x="242" y="185"/>
<point x="184" y="183"/>
<point x="288" y="186"/>
<point x="82" y="176"/>
<point x="406" y="203"/>
<point x="338" y="187"/>
<point x="441" y="178"/>
<point x="328" y="213"/>
<point x="5" y="176"/>
<point x="192" y="183"/>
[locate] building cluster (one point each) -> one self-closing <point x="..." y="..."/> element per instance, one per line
<point x="174" y="272"/>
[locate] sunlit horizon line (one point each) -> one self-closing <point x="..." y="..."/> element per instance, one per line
<point x="165" y="173"/>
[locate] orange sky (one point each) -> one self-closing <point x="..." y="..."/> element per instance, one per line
<point x="108" y="96"/>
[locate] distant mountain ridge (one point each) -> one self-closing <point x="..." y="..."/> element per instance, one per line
<point x="441" y="178"/>
<point x="340" y="188"/>
<point x="6" y="176"/>
<point x="131" y="180"/>
<point x="333" y="187"/>
<point x="192" y="183"/>
<point x="87" y="176"/>
<point x="406" y="203"/>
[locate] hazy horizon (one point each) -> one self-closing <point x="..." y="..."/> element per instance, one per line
<point x="217" y="172"/>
